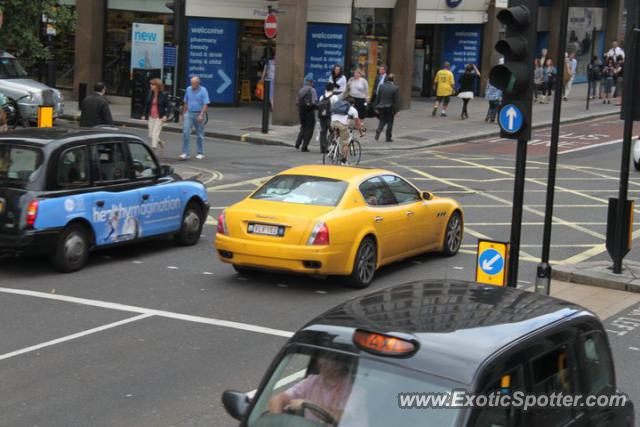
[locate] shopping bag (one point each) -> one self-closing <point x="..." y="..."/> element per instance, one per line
<point x="260" y="90"/>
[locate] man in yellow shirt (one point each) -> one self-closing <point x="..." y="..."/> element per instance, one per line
<point x="444" y="85"/>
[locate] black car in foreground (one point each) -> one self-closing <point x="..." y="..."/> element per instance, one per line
<point x="442" y="353"/>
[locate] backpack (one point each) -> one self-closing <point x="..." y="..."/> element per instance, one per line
<point x="307" y="100"/>
<point x="324" y="107"/>
<point x="341" y="108"/>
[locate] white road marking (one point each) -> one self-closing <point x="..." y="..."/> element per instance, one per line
<point x="458" y="268"/>
<point x="603" y="144"/>
<point x="136" y="262"/>
<point x="172" y="267"/>
<point x="208" y="273"/>
<point x="160" y="313"/>
<point x="634" y="348"/>
<point x="322" y="292"/>
<point x="74" y="336"/>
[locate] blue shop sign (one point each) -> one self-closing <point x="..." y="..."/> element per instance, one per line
<point x="462" y="46"/>
<point x="211" y="55"/>
<point x="326" y="47"/>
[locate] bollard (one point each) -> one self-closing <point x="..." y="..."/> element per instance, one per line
<point x="82" y="93"/>
<point x="265" y="106"/>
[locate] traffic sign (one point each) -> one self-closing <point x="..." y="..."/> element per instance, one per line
<point x="511" y="119"/>
<point x="271" y="25"/>
<point x="491" y="263"/>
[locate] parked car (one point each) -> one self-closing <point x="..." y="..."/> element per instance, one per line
<point x="64" y="192"/>
<point x="378" y="359"/>
<point x="27" y="93"/>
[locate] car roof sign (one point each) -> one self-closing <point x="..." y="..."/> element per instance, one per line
<point x="384" y="345"/>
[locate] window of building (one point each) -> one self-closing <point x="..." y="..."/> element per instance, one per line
<point x="371" y="40"/>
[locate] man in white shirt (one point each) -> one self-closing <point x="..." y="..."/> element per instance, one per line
<point x="342" y="112"/>
<point x="615" y="51"/>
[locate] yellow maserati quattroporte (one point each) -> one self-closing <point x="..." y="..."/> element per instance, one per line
<point x="335" y="220"/>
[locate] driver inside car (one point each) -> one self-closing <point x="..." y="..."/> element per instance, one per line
<point x="316" y="396"/>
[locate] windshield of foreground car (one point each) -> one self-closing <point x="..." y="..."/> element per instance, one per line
<point x="316" y="388"/>
<point x="10" y="68"/>
<point x="304" y="190"/>
<point x="18" y="165"/>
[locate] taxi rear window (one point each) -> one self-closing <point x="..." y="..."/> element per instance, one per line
<point x="301" y="189"/>
<point x="19" y="165"/>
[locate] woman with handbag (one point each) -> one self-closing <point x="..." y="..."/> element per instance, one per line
<point x="156" y="110"/>
<point x="467" y="81"/>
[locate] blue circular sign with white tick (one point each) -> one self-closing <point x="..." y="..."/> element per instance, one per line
<point x="454" y="3"/>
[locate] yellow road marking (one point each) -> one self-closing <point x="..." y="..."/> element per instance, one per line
<point x="255" y="182"/>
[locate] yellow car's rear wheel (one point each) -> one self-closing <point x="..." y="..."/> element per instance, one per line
<point x="364" y="264"/>
<point x="453" y="236"/>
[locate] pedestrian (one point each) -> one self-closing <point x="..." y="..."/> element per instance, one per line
<point x="380" y="79"/>
<point x="324" y="115"/>
<point x="95" y="110"/>
<point x="549" y="75"/>
<point x="594" y="74"/>
<point x="619" y="80"/>
<point x="494" y="96"/>
<point x="156" y="110"/>
<point x="388" y="106"/>
<point x="538" y="80"/>
<point x="467" y="82"/>
<point x="306" y="102"/>
<point x="615" y="51"/>
<point x="196" y="102"/>
<point x="570" y="74"/>
<point x="269" y="73"/>
<point x="358" y="88"/>
<point x="443" y="87"/>
<point x="4" y="125"/>
<point x="339" y="81"/>
<point x="608" y="75"/>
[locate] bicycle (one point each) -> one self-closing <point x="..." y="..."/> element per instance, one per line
<point x="333" y="154"/>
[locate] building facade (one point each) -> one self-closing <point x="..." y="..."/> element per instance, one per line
<point x="223" y="41"/>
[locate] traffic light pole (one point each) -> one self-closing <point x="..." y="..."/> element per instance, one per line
<point x="516" y="214"/>
<point x="629" y="91"/>
<point x="543" y="273"/>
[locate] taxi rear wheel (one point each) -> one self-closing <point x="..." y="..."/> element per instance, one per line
<point x="72" y="251"/>
<point x="364" y="264"/>
<point x="453" y="235"/>
<point x="191" y="227"/>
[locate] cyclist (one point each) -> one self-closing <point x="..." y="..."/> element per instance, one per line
<point x="342" y="112"/>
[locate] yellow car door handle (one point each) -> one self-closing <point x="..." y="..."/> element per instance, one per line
<point x="379" y="219"/>
<point x="410" y="213"/>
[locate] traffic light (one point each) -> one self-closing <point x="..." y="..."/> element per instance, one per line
<point x="515" y="76"/>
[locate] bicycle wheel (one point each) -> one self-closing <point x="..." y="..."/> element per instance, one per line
<point x="355" y="152"/>
<point x="330" y="157"/>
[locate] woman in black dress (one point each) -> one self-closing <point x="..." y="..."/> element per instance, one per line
<point x="466" y="82"/>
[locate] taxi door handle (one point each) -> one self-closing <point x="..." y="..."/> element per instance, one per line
<point x="379" y="219"/>
<point x="100" y="203"/>
<point x="410" y="213"/>
<point x="145" y="197"/>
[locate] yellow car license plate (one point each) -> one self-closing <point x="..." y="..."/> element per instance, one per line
<point x="265" y="229"/>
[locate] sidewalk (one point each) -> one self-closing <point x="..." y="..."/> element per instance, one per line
<point x="604" y="302"/>
<point x="414" y="128"/>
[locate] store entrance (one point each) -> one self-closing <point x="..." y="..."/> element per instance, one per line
<point x="423" y="68"/>
<point x="253" y="58"/>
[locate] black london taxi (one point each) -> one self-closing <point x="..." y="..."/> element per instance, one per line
<point x="64" y="192"/>
<point x="378" y="359"/>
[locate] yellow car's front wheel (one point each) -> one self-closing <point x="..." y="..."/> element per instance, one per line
<point x="364" y="264"/>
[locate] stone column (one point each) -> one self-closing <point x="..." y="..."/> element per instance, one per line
<point x="89" y="43"/>
<point x="403" y="41"/>
<point x="490" y="36"/>
<point x="290" y="55"/>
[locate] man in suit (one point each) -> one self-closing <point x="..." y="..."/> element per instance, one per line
<point x="387" y="105"/>
<point x="94" y="110"/>
<point x="380" y="79"/>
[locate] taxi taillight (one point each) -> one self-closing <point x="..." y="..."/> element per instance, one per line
<point x="384" y="345"/>
<point x="222" y="224"/>
<point x="32" y="212"/>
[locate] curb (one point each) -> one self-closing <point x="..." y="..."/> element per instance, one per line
<point x="259" y="140"/>
<point x="583" y="274"/>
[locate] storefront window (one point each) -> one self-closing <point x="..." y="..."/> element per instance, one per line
<point x="371" y="34"/>
<point x="253" y="54"/>
<point x="117" y="42"/>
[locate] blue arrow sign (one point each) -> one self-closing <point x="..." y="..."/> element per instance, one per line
<point x="511" y="119"/>
<point x="491" y="262"/>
